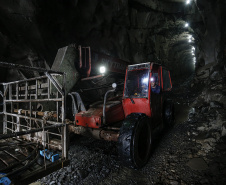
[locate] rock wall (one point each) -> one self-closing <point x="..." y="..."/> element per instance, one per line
<point x="31" y="31"/>
<point x="211" y="41"/>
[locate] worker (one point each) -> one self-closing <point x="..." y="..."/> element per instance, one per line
<point x="155" y="88"/>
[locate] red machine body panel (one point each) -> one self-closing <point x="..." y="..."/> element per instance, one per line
<point x="137" y="97"/>
<point x="92" y="118"/>
<point x="141" y="105"/>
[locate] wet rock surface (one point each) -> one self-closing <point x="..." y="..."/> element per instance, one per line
<point x="32" y="31"/>
<point x="192" y="152"/>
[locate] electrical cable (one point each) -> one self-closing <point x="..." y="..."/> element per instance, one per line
<point x="15" y="164"/>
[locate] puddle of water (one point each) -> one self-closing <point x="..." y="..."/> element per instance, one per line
<point x="181" y="112"/>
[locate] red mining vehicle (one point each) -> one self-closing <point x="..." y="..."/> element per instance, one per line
<point x="131" y="120"/>
<point x="34" y="110"/>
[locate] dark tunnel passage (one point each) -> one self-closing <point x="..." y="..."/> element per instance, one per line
<point x="188" y="37"/>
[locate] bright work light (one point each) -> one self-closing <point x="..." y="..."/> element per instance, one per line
<point x="102" y="69"/>
<point x="145" y="80"/>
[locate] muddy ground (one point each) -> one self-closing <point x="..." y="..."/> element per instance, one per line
<point x="182" y="155"/>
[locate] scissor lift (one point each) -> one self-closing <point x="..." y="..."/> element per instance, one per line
<point x="33" y="126"/>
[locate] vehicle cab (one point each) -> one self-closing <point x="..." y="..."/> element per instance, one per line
<point x="138" y="96"/>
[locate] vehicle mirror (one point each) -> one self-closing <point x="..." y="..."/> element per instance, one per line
<point x="114" y="85"/>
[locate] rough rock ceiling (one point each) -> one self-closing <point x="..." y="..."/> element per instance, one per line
<point x="133" y="30"/>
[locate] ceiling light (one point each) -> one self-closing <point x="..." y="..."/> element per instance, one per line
<point x="186" y="24"/>
<point x="188" y="1"/>
<point x="189" y="40"/>
<point x="193" y="48"/>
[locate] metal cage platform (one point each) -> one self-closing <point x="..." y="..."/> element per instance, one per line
<point x="33" y="120"/>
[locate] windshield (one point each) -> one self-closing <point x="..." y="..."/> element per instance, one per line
<point x="137" y="83"/>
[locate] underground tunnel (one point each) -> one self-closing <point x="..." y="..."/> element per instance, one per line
<point x="77" y="104"/>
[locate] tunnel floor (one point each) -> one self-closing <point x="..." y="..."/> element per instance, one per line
<point x="177" y="156"/>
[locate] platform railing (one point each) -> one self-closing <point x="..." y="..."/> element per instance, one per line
<point x="34" y="109"/>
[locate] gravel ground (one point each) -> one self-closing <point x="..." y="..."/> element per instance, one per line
<point x="178" y="156"/>
<point x="96" y="162"/>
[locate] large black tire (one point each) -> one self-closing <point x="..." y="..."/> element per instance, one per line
<point x="168" y="114"/>
<point x="134" y="143"/>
